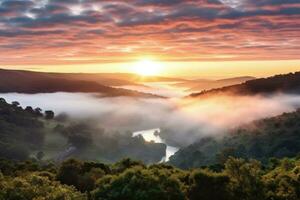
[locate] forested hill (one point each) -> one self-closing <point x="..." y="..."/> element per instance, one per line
<point x="27" y="133"/>
<point x="20" y="130"/>
<point x="263" y="139"/>
<point x="35" y="82"/>
<point x="288" y="83"/>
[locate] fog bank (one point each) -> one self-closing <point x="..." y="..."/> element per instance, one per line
<point x="187" y="119"/>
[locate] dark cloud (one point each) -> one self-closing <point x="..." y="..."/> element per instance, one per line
<point x="175" y="2"/>
<point x="159" y="2"/>
<point x="275" y="2"/>
<point x="261" y="12"/>
<point x="28" y="33"/>
<point x="17" y="4"/>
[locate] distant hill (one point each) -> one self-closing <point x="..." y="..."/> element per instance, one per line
<point x="263" y="139"/>
<point x="107" y="79"/>
<point x="133" y="78"/>
<point x="111" y="79"/>
<point x="287" y="83"/>
<point x="205" y="84"/>
<point x="38" y="82"/>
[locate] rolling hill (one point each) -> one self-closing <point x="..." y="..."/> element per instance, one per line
<point x="38" y="82"/>
<point x="107" y="79"/>
<point x="287" y="83"/>
<point x="26" y="131"/>
<point x="277" y="137"/>
<point x="206" y="84"/>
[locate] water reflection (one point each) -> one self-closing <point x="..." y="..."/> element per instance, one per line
<point x="152" y="135"/>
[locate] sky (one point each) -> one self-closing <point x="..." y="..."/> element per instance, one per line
<point x="189" y="37"/>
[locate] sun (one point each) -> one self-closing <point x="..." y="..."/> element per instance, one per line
<point x="147" y="67"/>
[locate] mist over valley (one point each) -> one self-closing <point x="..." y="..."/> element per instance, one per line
<point x="182" y="120"/>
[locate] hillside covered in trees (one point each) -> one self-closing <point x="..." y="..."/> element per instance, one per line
<point x="287" y="83"/>
<point x="34" y="163"/>
<point x="238" y="179"/>
<point x="28" y="132"/>
<point x="272" y="137"/>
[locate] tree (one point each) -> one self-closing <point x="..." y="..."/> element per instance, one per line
<point x="34" y="186"/>
<point x="245" y="178"/>
<point x="207" y="185"/>
<point x="137" y="184"/>
<point x="282" y="182"/>
<point x="126" y="163"/>
<point x="29" y="109"/>
<point x="49" y="114"/>
<point x="79" y="135"/>
<point x="15" y="104"/>
<point x="69" y="172"/>
<point x="38" y="112"/>
<point x="2" y="100"/>
<point x="225" y="154"/>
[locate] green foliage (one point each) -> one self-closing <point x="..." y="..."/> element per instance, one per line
<point x="95" y="144"/>
<point x="126" y="163"/>
<point x="132" y="180"/>
<point x="245" y="179"/>
<point x="138" y="183"/>
<point x="207" y="185"/>
<point x="228" y="174"/>
<point x="288" y="83"/>
<point x="33" y="186"/>
<point x="82" y="175"/>
<point x="276" y="137"/>
<point x="69" y="172"/>
<point x="283" y="183"/>
<point x="25" y="134"/>
<point x="20" y="131"/>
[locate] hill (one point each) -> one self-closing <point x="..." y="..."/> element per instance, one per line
<point x="206" y="84"/>
<point x="107" y="79"/>
<point x="287" y="83"/>
<point x="37" y="82"/>
<point x="263" y="139"/>
<point x="26" y="133"/>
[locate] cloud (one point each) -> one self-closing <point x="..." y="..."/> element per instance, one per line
<point x="275" y="2"/>
<point x="176" y="30"/>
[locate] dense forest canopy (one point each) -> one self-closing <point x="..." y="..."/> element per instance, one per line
<point x="131" y="180"/>
<point x="287" y="83"/>
<point x="272" y="137"/>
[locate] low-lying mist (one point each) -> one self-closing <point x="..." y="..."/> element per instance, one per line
<point x="186" y="119"/>
<point x="166" y="89"/>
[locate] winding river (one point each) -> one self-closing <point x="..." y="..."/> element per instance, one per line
<point x="149" y="135"/>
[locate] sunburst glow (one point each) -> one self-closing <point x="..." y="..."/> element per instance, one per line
<point x="147" y="67"/>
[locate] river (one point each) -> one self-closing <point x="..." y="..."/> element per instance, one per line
<point x="149" y="135"/>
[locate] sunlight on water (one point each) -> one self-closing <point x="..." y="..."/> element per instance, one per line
<point x="150" y="135"/>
